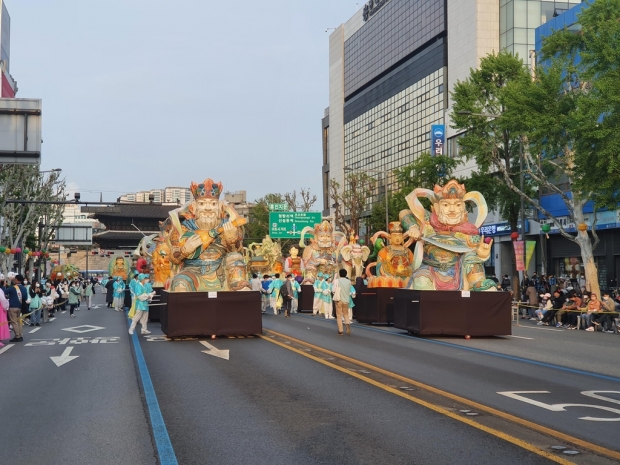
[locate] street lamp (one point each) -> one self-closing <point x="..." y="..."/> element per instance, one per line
<point x="385" y="193"/>
<point x="492" y="116"/>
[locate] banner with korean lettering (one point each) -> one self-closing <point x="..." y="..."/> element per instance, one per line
<point x="438" y="139"/>
<point x="530" y="246"/>
<point x="519" y="246"/>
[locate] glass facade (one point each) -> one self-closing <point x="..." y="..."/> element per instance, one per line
<point x="518" y="20"/>
<point x="5" y="37"/>
<point x="393" y="33"/>
<point x="393" y="133"/>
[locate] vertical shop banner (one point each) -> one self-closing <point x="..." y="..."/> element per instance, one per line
<point x="518" y="245"/>
<point x="530" y="246"/>
<point x="438" y="138"/>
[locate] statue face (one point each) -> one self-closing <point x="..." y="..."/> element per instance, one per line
<point x="396" y="239"/>
<point x="451" y="211"/>
<point x="119" y="263"/>
<point x="324" y="240"/>
<point x="294" y="252"/>
<point x="207" y="212"/>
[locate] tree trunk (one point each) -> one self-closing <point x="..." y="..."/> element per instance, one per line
<point x="587" y="255"/>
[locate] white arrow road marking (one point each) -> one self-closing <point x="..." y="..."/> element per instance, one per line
<point x="64" y="358"/>
<point x="34" y="330"/>
<point x="83" y="329"/>
<point x="213" y="351"/>
<point x="5" y="348"/>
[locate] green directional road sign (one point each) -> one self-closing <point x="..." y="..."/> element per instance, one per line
<point x="278" y="207"/>
<point x="288" y="225"/>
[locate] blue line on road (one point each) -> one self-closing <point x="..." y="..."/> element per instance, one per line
<point x="481" y="351"/>
<point x="162" y="440"/>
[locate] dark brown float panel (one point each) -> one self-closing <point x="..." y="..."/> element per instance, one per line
<point x="450" y="313"/>
<point x="306" y="298"/>
<point x="155" y="306"/>
<point x="195" y="314"/>
<point x="375" y="305"/>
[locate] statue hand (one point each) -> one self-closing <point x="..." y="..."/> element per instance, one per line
<point x="230" y="232"/>
<point x="484" y="249"/>
<point x="191" y="244"/>
<point x="414" y="232"/>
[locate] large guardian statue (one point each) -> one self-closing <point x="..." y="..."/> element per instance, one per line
<point x="449" y="252"/>
<point x="206" y="238"/>
<point x="322" y="253"/>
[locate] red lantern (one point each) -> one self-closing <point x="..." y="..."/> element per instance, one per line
<point x="514" y="236"/>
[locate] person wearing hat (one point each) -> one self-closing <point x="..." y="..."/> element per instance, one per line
<point x="119" y="294"/>
<point x="142" y="304"/>
<point x="274" y="293"/>
<point x="16" y="294"/>
<point x="545" y="306"/>
<point x="5" y="333"/>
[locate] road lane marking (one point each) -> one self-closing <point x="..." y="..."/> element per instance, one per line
<point x="34" y="330"/>
<point x="6" y="347"/>
<point x="492" y="431"/>
<point x="83" y="329"/>
<point x="516" y="395"/>
<point x="470" y="403"/>
<point x="482" y="351"/>
<point x="521" y="337"/>
<point x="165" y="451"/>
<point x="211" y="350"/>
<point x="65" y="357"/>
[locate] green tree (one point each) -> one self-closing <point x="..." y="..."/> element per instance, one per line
<point x="258" y="224"/>
<point x="426" y="171"/>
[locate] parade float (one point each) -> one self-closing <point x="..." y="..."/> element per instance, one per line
<point x="446" y="291"/>
<point x="209" y="292"/>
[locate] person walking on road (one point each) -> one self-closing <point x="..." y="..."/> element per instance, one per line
<point x="16" y="294"/>
<point x="342" y="294"/>
<point x="109" y="291"/>
<point x="5" y="333"/>
<point x="74" y="297"/>
<point x="274" y="293"/>
<point x="119" y="294"/>
<point x="142" y="305"/>
<point x="296" y="290"/>
<point x="286" y="291"/>
<point x="88" y="293"/>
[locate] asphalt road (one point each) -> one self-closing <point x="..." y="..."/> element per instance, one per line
<point x="267" y="404"/>
<point x="480" y="369"/>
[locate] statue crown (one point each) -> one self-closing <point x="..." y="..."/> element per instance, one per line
<point x="452" y="190"/>
<point x="207" y="189"/>
<point x="395" y="227"/>
<point x="324" y="227"/>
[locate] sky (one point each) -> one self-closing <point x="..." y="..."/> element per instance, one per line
<point x="139" y="95"/>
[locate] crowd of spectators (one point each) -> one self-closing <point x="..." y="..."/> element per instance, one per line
<point x="567" y="303"/>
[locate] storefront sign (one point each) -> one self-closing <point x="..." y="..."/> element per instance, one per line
<point x="499" y="229"/>
<point x="372" y="7"/>
<point x="438" y="138"/>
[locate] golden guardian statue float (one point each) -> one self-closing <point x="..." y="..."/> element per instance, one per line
<point x="394" y="265"/>
<point x="205" y="240"/>
<point x="449" y="252"/>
